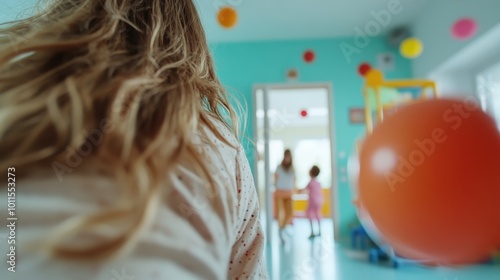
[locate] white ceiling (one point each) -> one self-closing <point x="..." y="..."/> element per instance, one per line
<point x="300" y="19"/>
<point x="277" y="19"/>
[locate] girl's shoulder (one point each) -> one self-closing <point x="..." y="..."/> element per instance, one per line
<point x="223" y="130"/>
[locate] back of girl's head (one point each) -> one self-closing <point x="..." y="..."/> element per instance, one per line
<point x="287" y="162"/>
<point x="137" y="71"/>
<point x="314" y="172"/>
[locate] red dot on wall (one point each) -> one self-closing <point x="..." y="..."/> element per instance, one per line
<point x="364" y="68"/>
<point x="309" y="56"/>
<point x="303" y="113"/>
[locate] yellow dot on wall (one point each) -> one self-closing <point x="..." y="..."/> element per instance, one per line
<point x="227" y="17"/>
<point x="411" y="48"/>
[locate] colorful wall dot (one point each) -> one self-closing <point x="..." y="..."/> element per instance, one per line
<point x="227" y="17"/>
<point x="464" y="28"/>
<point x="309" y="56"/>
<point x="411" y="48"/>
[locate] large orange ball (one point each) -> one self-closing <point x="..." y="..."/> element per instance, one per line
<point x="430" y="180"/>
<point x="227" y="17"/>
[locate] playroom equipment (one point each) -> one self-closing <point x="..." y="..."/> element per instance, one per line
<point x="429" y="180"/>
<point x="417" y="195"/>
<point x="383" y="97"/>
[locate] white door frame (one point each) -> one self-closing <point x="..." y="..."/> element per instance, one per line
<point x="334" y="186"/>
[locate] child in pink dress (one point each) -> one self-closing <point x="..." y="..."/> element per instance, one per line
<point x="315" y="203"/>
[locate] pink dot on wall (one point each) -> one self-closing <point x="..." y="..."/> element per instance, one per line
<point x="464" y="28"/>
<point x="303" y="113"/>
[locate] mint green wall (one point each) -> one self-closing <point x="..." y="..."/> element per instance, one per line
<point x="241" y="65"/>
<point x="434" y="24"/>
<point x="14" y="9"/>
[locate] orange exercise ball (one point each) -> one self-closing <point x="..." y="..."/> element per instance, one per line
<point x="227" y="17"/>
<point x="430" y="180"/>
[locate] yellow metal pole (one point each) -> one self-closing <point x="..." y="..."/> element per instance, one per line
<point x="368" y="112"/>
<point x="424" y="92"/>
<point x="435" y="90"/>
<point x="380" y="109"/>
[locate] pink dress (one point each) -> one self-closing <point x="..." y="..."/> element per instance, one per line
<point x="315" y="200"/>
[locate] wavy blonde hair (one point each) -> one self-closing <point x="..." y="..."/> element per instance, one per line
<point x="139" y="68"/>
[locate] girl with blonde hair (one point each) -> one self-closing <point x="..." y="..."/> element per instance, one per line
<point x="123" y="146"/>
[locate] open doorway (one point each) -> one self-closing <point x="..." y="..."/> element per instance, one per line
<point x="299" y="118"/>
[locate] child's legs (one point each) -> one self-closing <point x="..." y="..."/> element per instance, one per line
<point x="313" y="214"/>
<point x="287" y="202"/>
<point x="317" y="214"/>
<point x="318" y="218"/>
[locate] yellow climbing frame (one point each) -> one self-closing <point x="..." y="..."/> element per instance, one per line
<point x="375" y="80"/>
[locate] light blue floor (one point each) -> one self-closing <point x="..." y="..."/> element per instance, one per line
<point x="304" y="259"/>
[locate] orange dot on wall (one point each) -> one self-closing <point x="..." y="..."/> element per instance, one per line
<point x="227" y="17"/>
<point x="292" y="74"/>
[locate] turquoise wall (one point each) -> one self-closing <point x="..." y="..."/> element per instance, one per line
<point x="242" y="65"/>
<point x="15" y="9"/>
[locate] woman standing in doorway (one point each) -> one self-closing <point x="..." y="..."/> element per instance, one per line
<point x="284" y="180"/>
